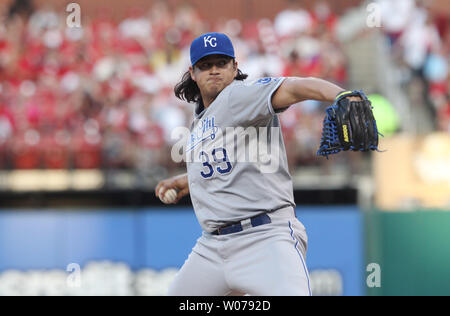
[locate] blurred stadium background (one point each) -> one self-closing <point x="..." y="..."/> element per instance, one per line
<point x="85" y="121"/>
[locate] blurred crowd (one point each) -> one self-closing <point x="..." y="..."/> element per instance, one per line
<point x="101" y="95"/>
<point x="420" y="42"/>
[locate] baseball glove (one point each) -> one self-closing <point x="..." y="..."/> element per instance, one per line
<point x="349" y="125"/>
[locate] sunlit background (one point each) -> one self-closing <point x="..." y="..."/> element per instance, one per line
<point x="86" y="115"/>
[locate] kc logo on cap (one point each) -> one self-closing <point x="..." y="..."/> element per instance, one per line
<point x="211" y="44"/>
<point x="209" y="39"/>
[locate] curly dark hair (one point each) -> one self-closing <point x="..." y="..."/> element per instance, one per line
<point x="187" y="89"/>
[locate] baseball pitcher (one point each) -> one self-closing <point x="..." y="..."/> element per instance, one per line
<point x="252" y="243"/>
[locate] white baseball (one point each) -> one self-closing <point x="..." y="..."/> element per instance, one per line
<point x="169" y="196"/>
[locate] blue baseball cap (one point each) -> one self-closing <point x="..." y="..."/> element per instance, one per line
<point x="211" y="44"/>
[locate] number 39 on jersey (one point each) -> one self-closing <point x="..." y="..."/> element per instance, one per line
<point x="219" y="163"/>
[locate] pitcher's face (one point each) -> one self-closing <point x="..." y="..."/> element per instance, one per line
<point x="213" y="73"/>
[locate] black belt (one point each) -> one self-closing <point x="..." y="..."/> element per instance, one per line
<point x="257" y="220"/>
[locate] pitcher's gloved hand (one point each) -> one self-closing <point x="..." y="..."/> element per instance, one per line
<point x="349" y="124"/>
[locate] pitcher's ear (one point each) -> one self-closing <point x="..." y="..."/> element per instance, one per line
<point x="191" y="71"/>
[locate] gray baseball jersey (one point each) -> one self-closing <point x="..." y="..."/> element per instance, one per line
<point x="224" y="189"/>
<point x="227" y="187"/>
